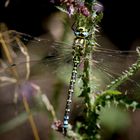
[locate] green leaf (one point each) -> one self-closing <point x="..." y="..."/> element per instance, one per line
<point x="113" y="92"/>
<point x="115" y="119"/>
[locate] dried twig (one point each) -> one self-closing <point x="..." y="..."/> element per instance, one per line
<point x="8" y="55"/>
<point x="24" y="50"/>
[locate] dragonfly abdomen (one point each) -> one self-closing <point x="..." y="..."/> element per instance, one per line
<point x="70" y="93"/>
<point x="78" y="52"/>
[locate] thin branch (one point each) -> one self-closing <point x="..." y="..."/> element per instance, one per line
<point x="24" y="50"/>
<point x="45" y="101"/>
<point x="8" y="55"/>
<point x="31" y="120"/>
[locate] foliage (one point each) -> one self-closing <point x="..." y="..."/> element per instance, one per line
<point x="85" y="14"/>
<point x="89" y="128"/>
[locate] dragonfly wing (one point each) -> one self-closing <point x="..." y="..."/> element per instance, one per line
<point x="39" y="53"/>
<point x="110" y="64"/>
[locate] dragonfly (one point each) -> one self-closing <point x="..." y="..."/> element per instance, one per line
<point x="104" y="60"/>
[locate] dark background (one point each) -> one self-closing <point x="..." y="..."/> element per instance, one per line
<point x="120" y="22"/>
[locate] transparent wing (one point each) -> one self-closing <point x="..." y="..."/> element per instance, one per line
<point x="43" y="54"/>
<point x="114" y="61"/>
<point x="37" y="49"/>
<point x="109" y="65"/>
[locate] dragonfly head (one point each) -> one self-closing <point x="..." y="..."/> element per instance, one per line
<point x="81" y="32"/>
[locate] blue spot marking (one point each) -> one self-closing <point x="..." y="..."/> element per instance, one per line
<point x="66" y="122"/>
<point x="65" y="126"/>
<point x="85" y="34"/>
<point x="66" y="117"/>
<point x="77" y="33"/>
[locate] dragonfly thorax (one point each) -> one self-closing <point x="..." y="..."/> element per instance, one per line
<point x="81" y="32"/>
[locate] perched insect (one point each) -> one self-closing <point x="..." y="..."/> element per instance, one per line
<point x="79" y="47"/>
<point x="104" y="60"/>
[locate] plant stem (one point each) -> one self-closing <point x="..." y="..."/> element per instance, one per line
<point x="31" y="120"/>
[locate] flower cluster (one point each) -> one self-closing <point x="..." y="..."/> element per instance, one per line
<point x="73" y="5"/>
